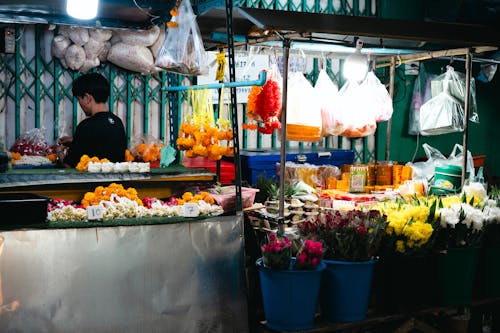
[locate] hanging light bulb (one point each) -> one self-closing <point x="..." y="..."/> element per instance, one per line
<point x="82" y="9"/>
<point x="356" y="65"/>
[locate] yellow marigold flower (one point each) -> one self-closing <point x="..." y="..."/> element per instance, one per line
<point x="400" y="246"/>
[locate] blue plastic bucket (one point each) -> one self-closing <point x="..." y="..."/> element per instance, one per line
<point x="290" y="297"/>
<point x="346" y="289"/>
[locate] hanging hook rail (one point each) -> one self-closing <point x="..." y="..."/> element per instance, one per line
<point x="260" y="82"/>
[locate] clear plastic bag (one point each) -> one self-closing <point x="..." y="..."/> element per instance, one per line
<point x="326" y="92"/>
<point x="379" y="99"/>
<point x="453" y="82"/>
<point x="421" y="94"/>
<point x="303" y="111"/>
<point x="33" y="143"/>
<point x="441" y="115"/>
<point x="183" y="51"/>
<point x="355" y="111"/>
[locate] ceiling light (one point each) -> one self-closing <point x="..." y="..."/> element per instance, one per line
<point x="82" y="9"/>
<point x="356" y="65"/>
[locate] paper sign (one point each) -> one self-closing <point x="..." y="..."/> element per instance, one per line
<point x="95" y="212"/>
<point x="190" y="210"/>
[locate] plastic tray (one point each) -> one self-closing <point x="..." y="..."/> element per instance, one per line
<point x="228" y="201"/>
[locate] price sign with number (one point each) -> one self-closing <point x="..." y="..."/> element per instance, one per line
<point x="95" y="212"/>
<point x="190" y="210"/>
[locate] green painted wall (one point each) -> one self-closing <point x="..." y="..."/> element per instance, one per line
<point x="484" y="138"/>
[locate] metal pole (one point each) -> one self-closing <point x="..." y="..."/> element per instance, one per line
<point x="389" y="122"/>
<point x="286" y="55"/>
<point x="468" y="68"/>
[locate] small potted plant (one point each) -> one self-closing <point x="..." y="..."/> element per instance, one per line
<point x="290" y="286"/>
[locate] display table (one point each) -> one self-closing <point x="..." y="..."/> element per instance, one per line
<point x="170" y="277"/>
<point x="71" y="184"/>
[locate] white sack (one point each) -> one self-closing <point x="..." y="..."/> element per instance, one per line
<point x="132" y="57"/>
<point x="159" y="42"/>
<point x="59" y="45"/>
<point x="104" y="52"/>
<point x="101" y="35"/>
<point x="75" y="57"/>
<point x="138" y="37"/>
<point x="93" y="48"/>
<point x="79" y="35"/>
<point x="88" y="64"/>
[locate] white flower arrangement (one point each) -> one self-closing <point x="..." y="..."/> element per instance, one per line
<point x="462" y="213"/>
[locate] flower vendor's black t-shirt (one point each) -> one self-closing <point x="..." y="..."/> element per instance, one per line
<point x="102" y="135"/>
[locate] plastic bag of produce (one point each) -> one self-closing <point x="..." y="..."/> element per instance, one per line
<point x="88" y="64"/>
<point x="146" y="148"/>
<point x="100" y="35"/>
<point x="441" y="115"/>
<point x="183" y="51"/>
<point x="103" y="55"/>
<point x="132" y="57"/>
<point x="303" y="110"/>
<point x="138" y="37"/>
<point x="93" y="48"/>
<point x="421" y="94"/>
<point x="355" y="112"/>
<point x="75" y="57"/>
<point x="33" y="143"/>
<point x="78" y="35"/>
<point x="60" y="44"/>
<point x="379" y="99"/>
<point x="155" y="48"/>
<point x="326" y="92"/>
<point x="453" y="83"/>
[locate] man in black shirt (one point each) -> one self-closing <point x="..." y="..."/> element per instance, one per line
<point x="102" y="134"/>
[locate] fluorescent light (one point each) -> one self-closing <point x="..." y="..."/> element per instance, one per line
<point x="356" y="65"/>
<point x="82" y="9"/>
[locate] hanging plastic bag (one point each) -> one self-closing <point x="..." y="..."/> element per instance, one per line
<point x="355" y="111"/>
<point x="421" y="94"/>
<point x="441" y="115"/>
<point x="326" y="92"/>
<point x="453" y="82"/>
<point x="183" y="51"/>
<point x="379" y="99"/>
<point x="303" y="111"/>
<point x="456" y="158"/>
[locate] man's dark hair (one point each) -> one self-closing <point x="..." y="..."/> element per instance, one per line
<point x="93" y="84"/>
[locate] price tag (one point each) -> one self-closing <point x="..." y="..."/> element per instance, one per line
<point x="190" y="210"/>
<point x="95" y="212"/>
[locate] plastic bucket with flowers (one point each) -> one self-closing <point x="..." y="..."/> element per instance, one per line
<point x="352" y="239"/>
<point x="290" y="292"/>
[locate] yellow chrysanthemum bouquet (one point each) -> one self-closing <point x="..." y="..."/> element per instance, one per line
<point x="412" y="225"/>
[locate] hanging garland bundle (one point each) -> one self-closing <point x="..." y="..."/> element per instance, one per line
<point x="264" y="104"/>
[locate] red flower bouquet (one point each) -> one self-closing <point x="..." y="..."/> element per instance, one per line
<point x="309" y="257"/>
<point x="277" y="253"/>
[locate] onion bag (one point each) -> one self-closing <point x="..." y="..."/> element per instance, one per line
<point x="182" y="51"/>
<point x="453" y="83"/>
<point x="379" y="99"/>
<point x="421" y="94"/>
<point x="303" y="110"/>
<point x="441" y="115"/>
<point x="326" y="92"/>
<point x="355" y="111"/>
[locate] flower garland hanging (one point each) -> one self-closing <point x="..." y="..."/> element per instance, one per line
<point x="264" y="104"/>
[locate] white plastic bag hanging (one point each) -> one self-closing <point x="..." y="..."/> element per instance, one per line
<point x="303" y="111"/>
<point x="183" y="51"/>
<point x="441" y="115"/>
<point x="326" y="92"/>
<point x="377" y="94"/>
<point x="355" y="112"/>
<point x="453" y="82"/>
<point x="421" y="94"/>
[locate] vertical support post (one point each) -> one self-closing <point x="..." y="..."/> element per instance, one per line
<point x="56" y="75"/>
<point x="75" y="105"/>
<point x="129" y="106"/>
<point x="17" y="87"/>
<point x="173" y="109"/>
<point x="389" y="122"/>
<point x="468" y="69"/>
<point x="234" y="103"/>
<point x="38" y="75"/>
<point x="145" y="116"/>
<point x="163" y="95"/>
<point x="286" y="55"/>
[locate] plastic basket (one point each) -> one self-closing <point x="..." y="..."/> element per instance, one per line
<point x="228" y="200"/>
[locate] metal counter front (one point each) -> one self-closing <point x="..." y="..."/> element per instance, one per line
<point x="181" y="277"/>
